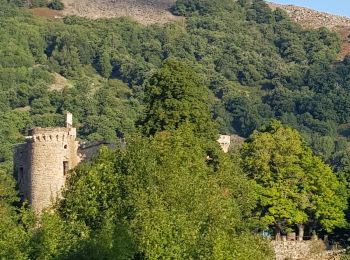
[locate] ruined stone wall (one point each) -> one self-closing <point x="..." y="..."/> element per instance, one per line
<point x="21" y="162"/>
<point x="302" y="250"/>
<point x="87" y="151"/>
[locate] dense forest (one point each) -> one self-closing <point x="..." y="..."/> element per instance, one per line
<point x="234" y="67"/>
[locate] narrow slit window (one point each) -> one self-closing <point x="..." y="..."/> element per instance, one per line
<point x="65" y="167"/>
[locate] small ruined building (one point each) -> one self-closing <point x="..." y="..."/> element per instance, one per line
<point x="41" y="163"/>
<point x="225" y="142"/>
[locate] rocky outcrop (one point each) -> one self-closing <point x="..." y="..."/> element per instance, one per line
<point x="143" y="11"/>
<point x="311" y="18"/>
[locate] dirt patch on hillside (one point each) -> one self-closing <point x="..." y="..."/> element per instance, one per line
<point x="143" y="11"/>
<point x="344" y="33"/>
<point x="46" y="12"/>
<point x="59" y="84"/>
<point x="23" y="109"/>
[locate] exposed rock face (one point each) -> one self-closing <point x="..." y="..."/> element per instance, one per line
<point x="143" y="11"/>
<point x="59" y="84"/>
<point x="344" y="33"/>
<point x="230" y="141"/>
<point x="311" y="18"/>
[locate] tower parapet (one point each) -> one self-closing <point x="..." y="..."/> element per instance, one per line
<point x="57" y="134"/>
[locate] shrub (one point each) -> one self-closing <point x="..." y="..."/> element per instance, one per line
<point x="56" y="5"/>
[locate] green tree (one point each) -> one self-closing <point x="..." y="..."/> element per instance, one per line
<point x="183" y="200"/>
<point x="295" y="187"/>
<point x="105" y="66"/>
<point x="14" y="238"/>
<point x="175" y="95"/>
<point x="51" y="238"/>
<point x="172" y="201"/>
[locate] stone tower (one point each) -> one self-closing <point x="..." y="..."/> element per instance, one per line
<point x="42" y="162"/>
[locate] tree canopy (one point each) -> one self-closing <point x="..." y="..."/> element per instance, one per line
<point x="295" y="186"/>
<point x="176" y="95"/>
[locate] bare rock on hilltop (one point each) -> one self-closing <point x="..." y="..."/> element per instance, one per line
<point x="313" y="19"/>
<point x="143" y="11"/>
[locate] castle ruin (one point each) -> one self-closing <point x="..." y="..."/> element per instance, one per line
<point x="41" y="163"/>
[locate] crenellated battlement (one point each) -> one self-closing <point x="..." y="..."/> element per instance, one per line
<point x="59" y="134"/>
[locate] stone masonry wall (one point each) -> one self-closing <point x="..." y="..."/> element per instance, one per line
<point x="53" y="152"/>
<point x="44" y="160"/>
<point x="21" y="162"/>
<point x="302" y="250"/>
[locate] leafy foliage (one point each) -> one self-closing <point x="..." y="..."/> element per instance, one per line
<point x="167" y="194"/>
<point x="295" y="187"/>
<point x="175" y="95"/>
<point x="56" y="5"/>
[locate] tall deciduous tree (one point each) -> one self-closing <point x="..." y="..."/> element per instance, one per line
<point x="175" y="95"/>
<point x="295" y="187"/>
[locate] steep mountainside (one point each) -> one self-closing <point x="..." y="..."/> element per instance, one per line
<point x="312" y="19"/>
<point x="157" y="11"/>
<point x="143" y="11"/>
